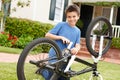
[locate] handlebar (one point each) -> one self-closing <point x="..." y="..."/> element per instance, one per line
<point x="70" y="45"/>
<point x="71" y="60"/>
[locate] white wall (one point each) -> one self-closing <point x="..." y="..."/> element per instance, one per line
<point x="38" y="10"/>
<point x="26" y="12"/>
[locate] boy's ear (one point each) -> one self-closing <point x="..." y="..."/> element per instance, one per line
<point x="78" y="16"/>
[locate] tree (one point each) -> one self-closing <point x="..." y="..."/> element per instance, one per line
<point x="5" y="10"/>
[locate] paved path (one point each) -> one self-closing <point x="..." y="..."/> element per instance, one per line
<point x="112" y="60"/>
<point x="5" y="57"/>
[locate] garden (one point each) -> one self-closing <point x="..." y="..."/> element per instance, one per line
<point x="19" y="32"/>
<point x="109" y="71"/>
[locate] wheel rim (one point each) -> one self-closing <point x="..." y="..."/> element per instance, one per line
<point x="100" y="27"/>
<point x="36" y="54"/>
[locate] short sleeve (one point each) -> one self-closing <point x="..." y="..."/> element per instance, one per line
<point x="56" y="29"/>
<point x="79" y="36"/>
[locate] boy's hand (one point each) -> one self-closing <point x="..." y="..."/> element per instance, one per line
<point x="74" y="51"/>
<point x="65" y="40"/>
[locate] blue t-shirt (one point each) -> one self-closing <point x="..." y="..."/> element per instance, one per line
<point x="71" y="33"/>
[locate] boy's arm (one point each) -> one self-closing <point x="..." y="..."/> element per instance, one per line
<point x="77" y="46"/>
<point x="52" y="36"/>
<point x="75" y="49"/>
<point x="56" y="37"/>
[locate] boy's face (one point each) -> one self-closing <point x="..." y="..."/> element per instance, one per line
<point x="72" y="18"/>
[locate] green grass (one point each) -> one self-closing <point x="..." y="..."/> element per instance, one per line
<point x="10" y="50"/>
<point x="8" y="71"/>
<point x="109" y="71"/>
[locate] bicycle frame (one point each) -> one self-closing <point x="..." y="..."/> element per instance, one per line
<point x="92" y="66"/>
<point x="55" y="63"/>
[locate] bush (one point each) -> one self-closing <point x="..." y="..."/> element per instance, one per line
<point x="23" y="41"/>
<point x="4" y="40"/>
<point x="79" y="24"/>
<point x="18" y="27"/>
<point x="25" y="30"/>
<point x="116" y="43"/>
<point x="8" y="40"/>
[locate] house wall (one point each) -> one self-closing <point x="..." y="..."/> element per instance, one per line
<point x="26" y="12"/>
<point x="38" y="10"/>
<point x="97" y="11"/>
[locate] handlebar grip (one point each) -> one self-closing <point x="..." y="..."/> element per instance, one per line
<point x="70" y="45"/>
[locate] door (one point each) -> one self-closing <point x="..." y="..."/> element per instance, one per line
<point x="118" y="17"/>
<point x="85" y="16"/>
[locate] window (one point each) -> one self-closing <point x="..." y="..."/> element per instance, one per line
<point x="57" y="8"/>
<point x="106" y="12"/>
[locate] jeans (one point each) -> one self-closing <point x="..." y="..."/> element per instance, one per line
<point x="47" y="74"/>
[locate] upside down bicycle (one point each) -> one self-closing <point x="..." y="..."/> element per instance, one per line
<point x="35" y="57"/>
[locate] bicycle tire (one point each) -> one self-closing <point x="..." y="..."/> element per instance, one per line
<point x="101" y="22"/>
<point x="23" y="59"/>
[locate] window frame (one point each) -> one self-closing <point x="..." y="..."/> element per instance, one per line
<point x="52" y="10"/>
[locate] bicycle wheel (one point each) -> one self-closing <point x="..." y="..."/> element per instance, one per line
<point x="100" y="26"/>
<point x="34" y="57"/>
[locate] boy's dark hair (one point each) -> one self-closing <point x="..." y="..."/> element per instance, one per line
<point x="72" y="8"/>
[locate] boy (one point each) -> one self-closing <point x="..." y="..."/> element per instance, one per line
<point x="65" y="32"/>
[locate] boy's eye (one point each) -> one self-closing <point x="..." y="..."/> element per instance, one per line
<point x="71" y="16"/>
<point x="74" y="16"/>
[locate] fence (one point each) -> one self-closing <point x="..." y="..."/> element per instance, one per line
<point x="116" y="31"/>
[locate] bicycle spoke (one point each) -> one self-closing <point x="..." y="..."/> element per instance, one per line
<point x="99" y="27"/>
<point x="35" y="57"/>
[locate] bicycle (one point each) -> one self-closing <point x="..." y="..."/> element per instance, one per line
<point x="35" y="55"/>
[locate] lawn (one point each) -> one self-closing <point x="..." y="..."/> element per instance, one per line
<point x="109" y="71"/>
<point x="10" y="50"/>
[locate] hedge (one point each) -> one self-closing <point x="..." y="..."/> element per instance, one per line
<point x="115" y="43"/>
<point x="31" y="30"/>
<point x="19" y="32"/>
<point x="18" y="27"/>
